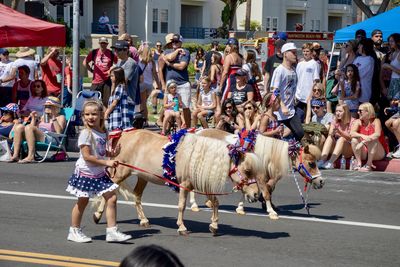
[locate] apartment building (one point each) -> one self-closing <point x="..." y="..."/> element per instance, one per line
<point x="315" y="15"/>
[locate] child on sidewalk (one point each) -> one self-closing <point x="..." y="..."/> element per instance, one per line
<point x="206" y="103"/>
<point x="172" y="103"/>
<point x="90" y="178"/>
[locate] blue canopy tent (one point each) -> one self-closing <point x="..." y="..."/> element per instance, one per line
<point x="387" y="22"/>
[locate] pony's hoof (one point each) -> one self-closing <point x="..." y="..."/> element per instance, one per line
<point x="195" y="208"/>
<point x="145" y="225"/>
<point x="213" y="230"/>
<point x="273" y="216"/>
<point x="240" y="211"/>
<point x="209" y="204"/>
<point x="96" y="218"/>
<point x="183" y="233"/>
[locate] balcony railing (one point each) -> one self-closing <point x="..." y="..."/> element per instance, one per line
<point x="340" y="2"/>
<point x="197" y="33"/>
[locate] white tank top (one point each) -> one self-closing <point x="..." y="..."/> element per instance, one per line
<point x="395" y="63"/>
<point x="206" y="99"/>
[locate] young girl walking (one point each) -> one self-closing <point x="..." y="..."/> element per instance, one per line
<point x="117" y="111"/>
<point x="90" y="178"/>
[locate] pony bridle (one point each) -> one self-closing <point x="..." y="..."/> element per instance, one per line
<point x="243" y="181"/>
<point x="302" y="170"/>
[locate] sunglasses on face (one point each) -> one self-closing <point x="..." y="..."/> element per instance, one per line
<point x="248" y="108"/>
<point x="228" y="107"/>
<point x="120" y="49"/>
<point x="317" y="90"/>
<point x="158" y="45"/>
<point x="316" y="107"/>
<point x="38" y="86"/>
<point x="360" y="111"/>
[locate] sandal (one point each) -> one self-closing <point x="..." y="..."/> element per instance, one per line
<point x="12" y="160"/>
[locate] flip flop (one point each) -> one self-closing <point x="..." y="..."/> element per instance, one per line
<point x="12" y="160"/>
<point x="25" y="161"/>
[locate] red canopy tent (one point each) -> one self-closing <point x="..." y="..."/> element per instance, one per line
<point x="18" y="29"/>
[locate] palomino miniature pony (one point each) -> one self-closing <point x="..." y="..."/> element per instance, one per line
<point x="275" y="158"/>
<point x="202" y="164"/>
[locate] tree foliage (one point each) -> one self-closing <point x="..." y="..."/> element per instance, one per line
<point x="228" y="13"/>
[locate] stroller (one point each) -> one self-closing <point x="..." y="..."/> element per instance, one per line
<point x="83" y="96"/>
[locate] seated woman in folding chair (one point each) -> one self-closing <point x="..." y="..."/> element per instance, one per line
<point x="50" y="121"/>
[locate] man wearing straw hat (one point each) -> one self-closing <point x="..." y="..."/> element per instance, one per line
<point x="25" y="57"/>
<point x="52" y="71"/>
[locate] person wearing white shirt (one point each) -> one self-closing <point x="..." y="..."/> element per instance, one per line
<point x="5" y="71"/>
<point x="365" y="64"/>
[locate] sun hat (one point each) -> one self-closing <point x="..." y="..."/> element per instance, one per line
<point x="288" y="46"/>
<point x="103" y="40"/>
<point x="168" y="38"/>
<point x="25" y="52"/>
<point x="52" y="101"/>
<point x="11" y="107"/>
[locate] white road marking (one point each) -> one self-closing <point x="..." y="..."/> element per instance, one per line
<point x="352" y="223"/>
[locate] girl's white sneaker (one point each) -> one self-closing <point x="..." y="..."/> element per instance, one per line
<point x="76" y="235"/>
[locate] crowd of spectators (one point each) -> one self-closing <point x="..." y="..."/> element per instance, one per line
<point x="355" y="111"/>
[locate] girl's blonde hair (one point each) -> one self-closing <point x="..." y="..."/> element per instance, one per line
<point x="319" y="86"/>
<point x="145" y="55"/>
<point x="346" y="113"/>
<point x="100" y="109"/>
<point x="369" y="108"/>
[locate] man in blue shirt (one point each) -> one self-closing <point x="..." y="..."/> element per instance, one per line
<point x="177" y="61"/>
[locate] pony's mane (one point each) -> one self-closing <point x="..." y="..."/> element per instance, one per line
<point x="204" y="161"/>
<point x="274" y="156"/>
<point x="314" y="151"/>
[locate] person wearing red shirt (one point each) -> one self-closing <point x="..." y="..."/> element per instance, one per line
<point x="52" y="71"/>
<point x="99" y="62"/>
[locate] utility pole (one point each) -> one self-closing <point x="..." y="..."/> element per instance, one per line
<point x="75" y="54"/>
<point x="248" y="16"/>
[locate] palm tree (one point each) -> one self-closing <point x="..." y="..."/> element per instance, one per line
<point x="228" y="14"/>
<point x="248" y="16"/>
<point x="122" y="16"/>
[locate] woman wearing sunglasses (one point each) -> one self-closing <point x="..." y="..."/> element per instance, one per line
<point x="37" y="99"/>
<point x="231" y="120"/>
<point x="368" y="141"/>
<point x="251" y="116"/>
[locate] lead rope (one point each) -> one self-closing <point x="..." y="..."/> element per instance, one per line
<point x="301" y="194"/>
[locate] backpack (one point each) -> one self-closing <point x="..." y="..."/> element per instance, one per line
<point x="95" y="51"/>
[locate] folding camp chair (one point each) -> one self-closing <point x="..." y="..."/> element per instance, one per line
<point x="57" y="146"/>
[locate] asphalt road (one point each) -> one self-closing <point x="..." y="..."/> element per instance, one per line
<point x="354" y="221"/>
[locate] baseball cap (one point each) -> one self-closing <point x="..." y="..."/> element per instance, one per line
<point x="103" y="40"/>
<point x="232" y="41"/>
<point x="360" y="33"/>
<point x="287" y="47"/>
<point x="376" y="31"/>
<point x="280" y="35"/>
<point x="317" y="102"/>
<point x="120" y="44"/>
<point x="4" y="51"/>
<point x="177" y="38"/>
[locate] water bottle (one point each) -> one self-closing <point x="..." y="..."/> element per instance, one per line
<point x="46" y="117"/>
<point x="352" y="163"/>
<point x="342" y="163"/>
<point x="176" y="106"/>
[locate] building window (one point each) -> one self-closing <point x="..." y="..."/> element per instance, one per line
<point x="155" y="20"/>
<point x="275" y="24"/>
<point x="164" y="20"/>
<point x="316" y="25"/>
<point x="268" y="23"/>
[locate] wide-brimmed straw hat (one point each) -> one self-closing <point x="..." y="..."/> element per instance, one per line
<point x="168" y="38"/>
<point x="25" y="52"/>
<point x="53" y="101"/>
